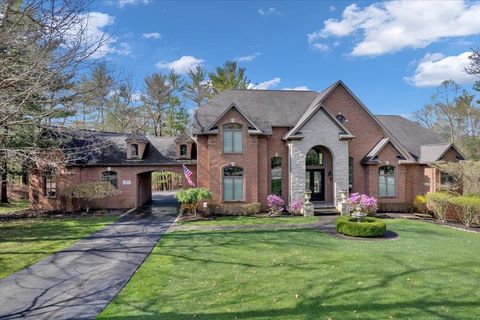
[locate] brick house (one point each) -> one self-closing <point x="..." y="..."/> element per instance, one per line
<point x="248" y="144"/>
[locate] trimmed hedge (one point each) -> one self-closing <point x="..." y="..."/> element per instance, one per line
<point x="468" y="209"/>
<point x="368" y="228"/>
<point x="438" y="202"/>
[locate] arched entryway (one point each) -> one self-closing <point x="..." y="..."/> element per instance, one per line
<point x="319" y="174"/>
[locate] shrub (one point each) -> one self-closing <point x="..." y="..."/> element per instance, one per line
<point x="438" y="203"/>
<point x="239" y="209"/>
<point x="89" y="191"/>
<point x="368" y="228"/>
<point x="363" y="203"/>
<point x="275" y="204"/>
<point x="420" y="203"/>
<point x="296" y="206"/>
<point x="189" y="198"/>
<point x="468" y="209"/>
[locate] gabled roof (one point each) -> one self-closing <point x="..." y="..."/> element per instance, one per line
<point x="184" y="138"/>
<point x="431" y="153"/>
<point x="265" y="129"/>
<point x="370" y="157"/>
<point x="264" y="108"/>
<point x="137" y="137"/>
<point x="411" y="134"/>
<point x="312" y="110"/>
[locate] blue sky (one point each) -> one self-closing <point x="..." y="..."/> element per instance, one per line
<point x="391" y="54"/>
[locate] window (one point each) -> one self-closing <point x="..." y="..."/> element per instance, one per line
<point x="314" y="158"/>
<point x="446" y="179"/>
<point x="276" y="175"/>
<point x="340" y="118"/>
<point x="233" y="184"/>
<point x="50" y="182"/>
<point x="232" y="138"/>
<point x="110" y="176"/>
<point x="134" y="150"/>
<point x="386" y="181"/>
<point x="183" y="150"/>
<point x="350" y="174"/>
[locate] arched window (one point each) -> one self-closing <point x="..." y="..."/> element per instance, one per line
<point x="110" y="176"/>
<point x="134" y="150"/>
<point x="386" y="181"/>
<point x="233" y="184"/>
<point x="314" y="158"/>
<point x="276" y="175"/>
<point x="232" y="138"/>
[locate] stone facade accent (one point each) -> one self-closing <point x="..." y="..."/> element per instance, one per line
<point x="320" y="130"/>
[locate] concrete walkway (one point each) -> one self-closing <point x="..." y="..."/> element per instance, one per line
<point x="78" y="283"/>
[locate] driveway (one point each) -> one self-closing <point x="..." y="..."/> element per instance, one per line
<point x="78" y="282"/>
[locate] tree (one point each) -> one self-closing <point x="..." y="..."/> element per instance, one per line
<point x="465" y="176"/>
<point x="89" y="191"/>
<point x="228" y="77"/>
<point x="155" y="98"/>
<point x="175" y="83"/>
<point x="43" y="45"/>
<point x="197" y="89"/>
<point x="474" y="67"/>
<point x="101" y="85"/>
<point x="453" y="114"/>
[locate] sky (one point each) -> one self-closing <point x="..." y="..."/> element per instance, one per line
<point x="391" y="54"/>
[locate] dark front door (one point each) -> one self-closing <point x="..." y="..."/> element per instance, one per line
<point x="315" y="182"/>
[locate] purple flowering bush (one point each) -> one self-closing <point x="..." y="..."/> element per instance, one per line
<point x="362" y="202"/>
<point x="275" y="204"/>
<point x="296" y="206"/>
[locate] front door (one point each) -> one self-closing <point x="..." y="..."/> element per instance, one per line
<point x="315" y="182"/>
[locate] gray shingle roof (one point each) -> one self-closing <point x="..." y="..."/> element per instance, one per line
<point x="265" y="108"/>
<point x="432" y="152"/>
<point x="108" y="148"/>
<point x="411" y="134"/>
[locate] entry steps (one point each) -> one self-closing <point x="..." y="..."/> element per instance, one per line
<point x="324" y="208"/>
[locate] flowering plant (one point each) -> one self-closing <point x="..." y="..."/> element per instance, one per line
<point x="363" y="203"/>
<point x="275" y="204"/>
<point x="296" y="206"/>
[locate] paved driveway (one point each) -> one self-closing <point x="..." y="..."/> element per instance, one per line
<point x="77" y="283"/>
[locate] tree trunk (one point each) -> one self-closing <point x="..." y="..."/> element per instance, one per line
<point x="4" y="177"/>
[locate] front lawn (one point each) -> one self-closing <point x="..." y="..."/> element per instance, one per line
<point x="14" y="206"/>
<point x="24" y="242"/>
<point x="429" y="272"/>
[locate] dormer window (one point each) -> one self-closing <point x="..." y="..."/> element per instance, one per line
<point x="183" y="150"/>
<point x="134" y="150"/>
<point x="232" y="138"/>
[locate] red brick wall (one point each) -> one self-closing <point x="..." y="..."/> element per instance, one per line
<point x="255" y="161"/>
<point x="134" y="194"/>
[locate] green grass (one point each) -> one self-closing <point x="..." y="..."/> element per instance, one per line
<point x="14" y="206"/>
<point x="22" y="243"/>
<point x="244" y="220"/>
<point x="430" y="272"/>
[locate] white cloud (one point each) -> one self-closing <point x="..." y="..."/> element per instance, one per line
<point x="269" y="12"/>
<point x="266" y="84"/>
<point x="435" y="68"/>
<point x="123" y="3"/>
<point x="152" y="35"/>
<point x="248" y="58"/>
<point x="391" y="26"/>
<point x="299" y="88"/>
<point x="182" y="65"/>
<point x="136" y="96"/>
<point x="331" y="8"/>
<point x="321" y="47"/>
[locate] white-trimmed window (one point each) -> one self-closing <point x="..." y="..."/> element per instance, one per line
<point x="387" y="181"/>
<point x="276" y="175"/>
<point x="183" y="150"/>
<point x="232" y="138"/>
<point x="232" y="184"/>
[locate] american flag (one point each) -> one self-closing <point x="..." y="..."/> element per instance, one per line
<point x="188" y="174"/>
